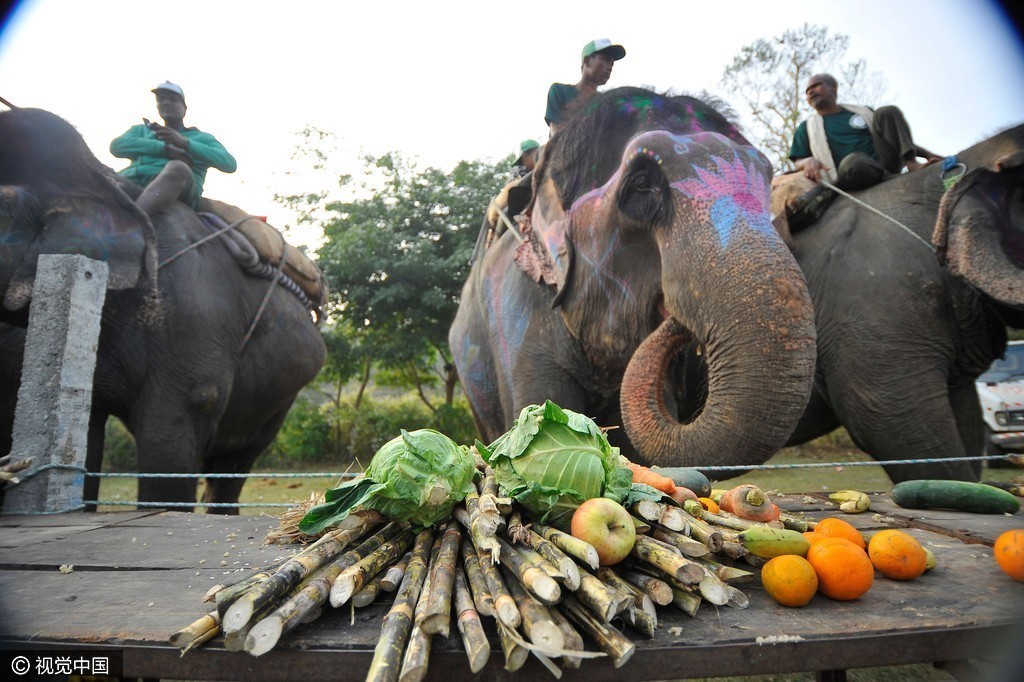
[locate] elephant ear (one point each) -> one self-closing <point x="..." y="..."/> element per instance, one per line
<point x="56" y="197"/>
<point x="981" y="230"/>
<point x="102" y="227"/>
<point x="546" y="252"/>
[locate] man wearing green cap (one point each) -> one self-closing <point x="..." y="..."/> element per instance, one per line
<point x="527" y="158"/>
<point x="170" y="161"/>
<point x="599" y="56"/>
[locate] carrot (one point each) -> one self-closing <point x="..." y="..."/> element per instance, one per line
<point x="749" y="502"/>
<point x="642" y="474"/>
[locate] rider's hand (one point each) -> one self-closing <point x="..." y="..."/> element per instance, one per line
<point x="170" y="136"/>
<point x="175" y="152"/>
<point x="812" y="168"/>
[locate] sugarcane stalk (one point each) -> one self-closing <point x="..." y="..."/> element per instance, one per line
<point x="296" y="610"/>
<point x="797" y="523"/>
<point x="368" y="593"/>
<point x="504" y="604"/>
<point x="540" y="629"/>
<point x="610" y="640"/>
<point x="666" y="515"/>
<point x="723" y="518"/>
<point x="613" y="580"/>
<point x="675" y="565"/>
<point x="700" y="530"/>
<point x="485" y="544"/>
<point x="728" y="574"/>
<point x="437" y="613"/>
<point x="535" y="580"/>
<point x="572" y="546"/>
<point x="417" y="650"/>
<point x="540" y="562"/>
<point x="287" y="576"/>
<point x="392" y="577"/>
<point x="754" y="560"/>
<point x="394" y="631"/>
<point x="352" y="579"/>
<point x="657" y="590"/>
<point x="686" y="545"/>
<point x="572" y="640"/>
<point x="603" y="601"/>
<point x="515" y="654"/>
<point x="685" y="600"/>
<point x="713" y="589"/>
<point x="553" y="555"/>
<point x="474" y="639"/>
<point x="198" y="632"/>
<point x="668" y="546"/>
<point x="477" y="583"/>
<point x="641" y="526"/>
<point x="737" y="599"/>
<point x="489" y="484"/>
<point x="644" y="622"/>
<point x="485" y="525"/>
<point x="227" y="596"/>
<point x="733" y="550"/>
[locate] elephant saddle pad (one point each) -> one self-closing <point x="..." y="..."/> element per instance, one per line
<point x="271" y="246"/>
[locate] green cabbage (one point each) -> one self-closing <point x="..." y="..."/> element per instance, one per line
<point x="417" y="477"/>
<point x="552" y="460"/>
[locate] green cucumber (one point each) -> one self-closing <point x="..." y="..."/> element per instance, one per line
<point x="687" y="478"/>
<point x="960" y="495"/>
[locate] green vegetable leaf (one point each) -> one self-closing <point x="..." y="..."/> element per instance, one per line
<point x="339" y="501"/>
<point x="553" y="459"/>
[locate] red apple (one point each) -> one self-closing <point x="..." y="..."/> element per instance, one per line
<point x="607" y="526"/>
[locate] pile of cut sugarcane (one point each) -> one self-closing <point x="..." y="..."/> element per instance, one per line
<point x="543" y="587"/>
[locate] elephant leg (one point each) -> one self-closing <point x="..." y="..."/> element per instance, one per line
<point x="967" y="410"/>
<point x="237" y="459"/>
<point x="94" y="457"/>
<point x="166" y="445"/>
<point x="911" y="419"/>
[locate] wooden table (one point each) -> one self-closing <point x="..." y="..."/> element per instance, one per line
<point x="139" y="576"/>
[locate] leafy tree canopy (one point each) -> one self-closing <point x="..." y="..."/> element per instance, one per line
<point x="770" y="75"/>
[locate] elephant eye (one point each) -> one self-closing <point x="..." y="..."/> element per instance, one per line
<point x="643" y="193"/>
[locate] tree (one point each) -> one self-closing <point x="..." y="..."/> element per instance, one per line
<point x="396" y="260"/>
<point x="770" y="75"/>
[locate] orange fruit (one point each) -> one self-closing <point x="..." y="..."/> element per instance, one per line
<point x="837" y="528"/>
<point x="1009" y="551"/>
<point x="844" y="569"/>
<point x="709" y="504"/>
<point x="897" y="555"/>
<point x="789" y="579"/>
<point x="813" y="537"/>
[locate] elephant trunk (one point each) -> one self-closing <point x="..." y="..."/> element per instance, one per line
<point x="745" y="303"/>
<point x="756" y="393"/>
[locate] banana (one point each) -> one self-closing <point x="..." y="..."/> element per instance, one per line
<point x="767" y="542"/>
<point x="851" y="501"/>
<point x="930" y="559"/>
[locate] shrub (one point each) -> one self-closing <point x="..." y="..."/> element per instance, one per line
<point x="119" y="452"/>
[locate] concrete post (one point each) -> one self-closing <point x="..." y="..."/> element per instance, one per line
<point x="51" y="420"/>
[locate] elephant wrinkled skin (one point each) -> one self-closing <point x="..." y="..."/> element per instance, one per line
<point x="171" y="362"/>
<point x="904" y="331"/>
<point x="650" y="212"/>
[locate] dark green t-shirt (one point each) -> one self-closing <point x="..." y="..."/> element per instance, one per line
<point x="559" y="94"/>
<point x="846" y="131"/>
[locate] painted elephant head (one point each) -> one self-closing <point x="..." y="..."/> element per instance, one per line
<point x="649" y="212"/>
<point x="56" y="198"/>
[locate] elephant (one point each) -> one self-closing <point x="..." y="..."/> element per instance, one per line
<point x="649" y="225"/>
<point x="199" y="361"/>
<point x="908" y="315"/>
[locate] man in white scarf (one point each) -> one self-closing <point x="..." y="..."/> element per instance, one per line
<point x="850" y="145"/>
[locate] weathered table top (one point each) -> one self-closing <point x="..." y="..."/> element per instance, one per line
<point x="139" y="576"/>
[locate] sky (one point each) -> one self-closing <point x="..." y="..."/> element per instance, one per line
<point x="454" y="80"/>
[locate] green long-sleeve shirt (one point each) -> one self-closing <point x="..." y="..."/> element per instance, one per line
<point x="148" y="155"/>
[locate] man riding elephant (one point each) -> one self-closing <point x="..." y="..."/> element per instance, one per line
<point x="170" y="161"/>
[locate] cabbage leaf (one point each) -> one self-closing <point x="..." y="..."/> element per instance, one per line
<point x="552" y="460"/>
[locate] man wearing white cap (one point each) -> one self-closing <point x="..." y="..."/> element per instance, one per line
<point x="599" y="56"/>
<point x="170" y="161"/>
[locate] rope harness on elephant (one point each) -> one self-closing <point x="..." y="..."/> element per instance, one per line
<point x="956" y="181"/>
<point x="276" y="276"/>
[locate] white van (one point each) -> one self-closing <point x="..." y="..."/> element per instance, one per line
<point x="1001" y="392"/>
